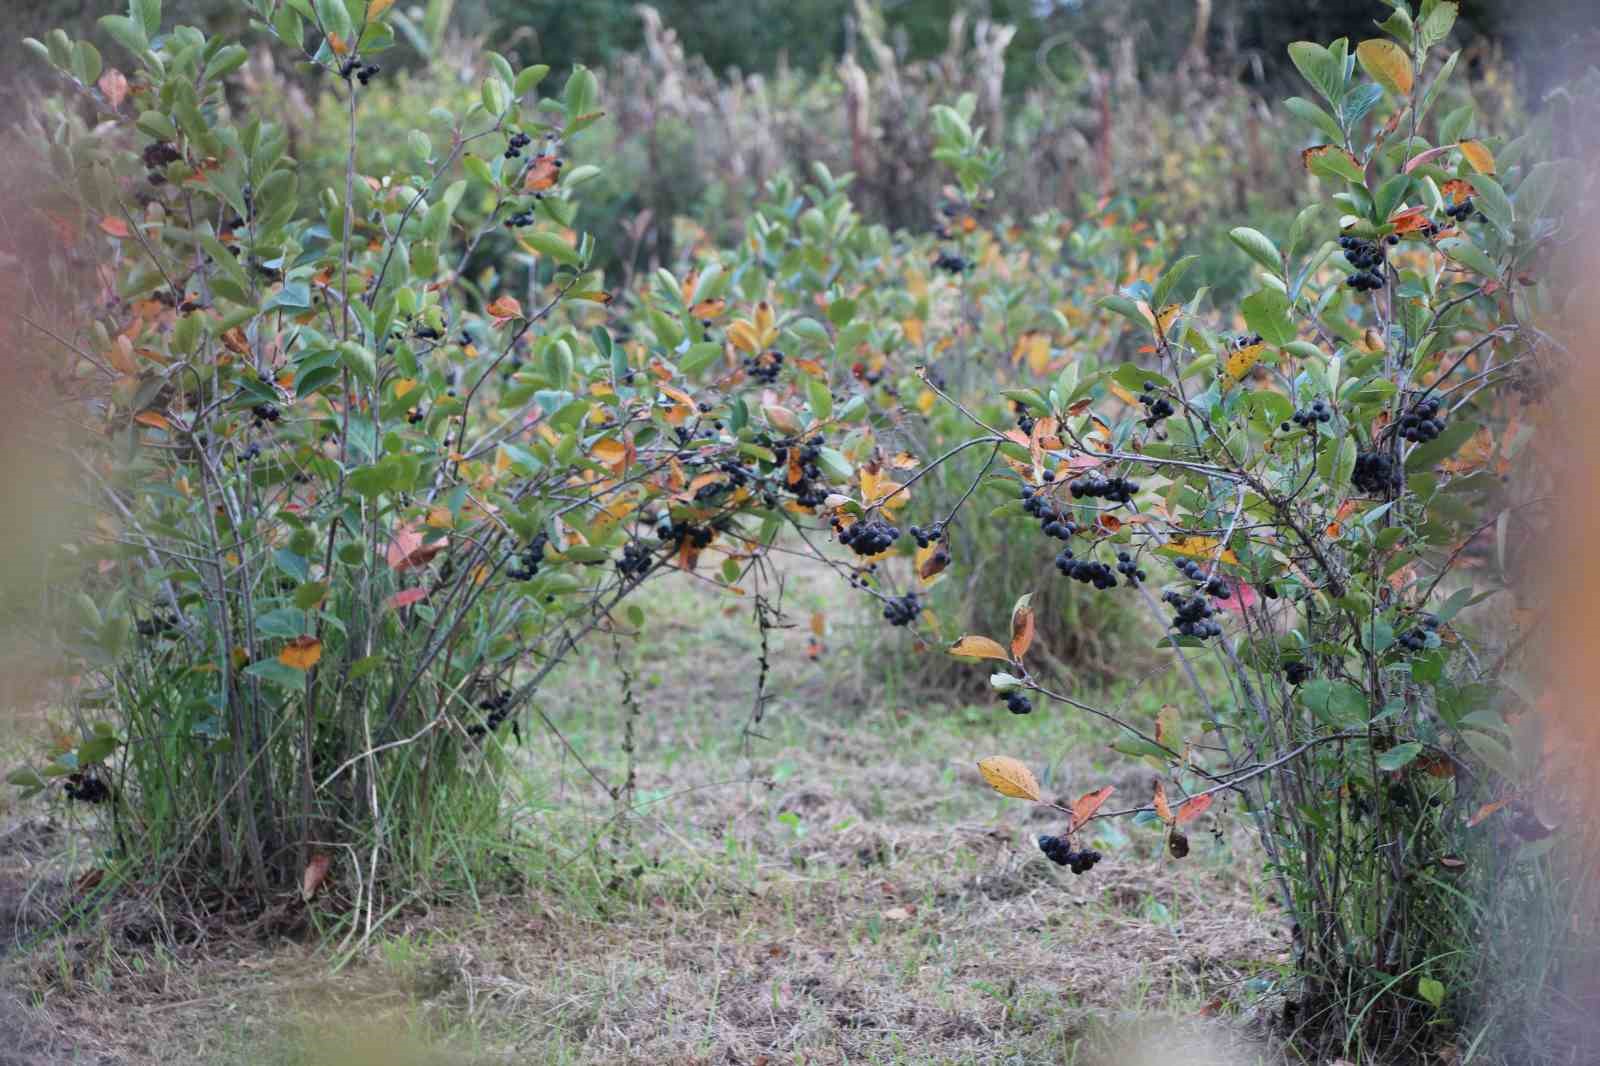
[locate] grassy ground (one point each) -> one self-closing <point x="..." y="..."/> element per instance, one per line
<point x="832" y="884"/>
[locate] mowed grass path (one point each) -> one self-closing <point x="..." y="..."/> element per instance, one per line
<point x="832" y="884"/>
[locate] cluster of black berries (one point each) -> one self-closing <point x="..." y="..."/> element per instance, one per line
<point x="952" y="264"/>
<point x="516" y="144"/>
<point x="636" y="561"/>
<point x="499" y="706"/>
<point x="86" y="788"/>
<point x="1024" y="419"/>
<point x="157" y="156"/>
<point x="902" y="610"/>
<point x="1460" y="212"/>
<point x="1129" y="569"/>
<point x="416" y="415"/>
<point x="1085" y="570"/>
<point x="1422" y="423"/>
<point x="1376" y="474"/>
<point x="1306" y="417"/>
<point x="870" y="537"/>
<point x="764" y="367"/>
<point x="679" y="533"/>
<point x="1417" y="639"/>
<point x="1366" y="256"/>
<point x="156" y="625"/>
<point x="1059" y="851"/>
<point x="1192" y="617"/>
<point x="1297" y="672"/>
<point x="265" y="412"/>
<point x="1156" y="407"/>
<point x="1213" y="586"/>
<point x="364" y="74"/>
<point x="1116" y="489"/>
<point x="1017" y="703"/>
<point x="809" y="490"/>
<point x="1051" y="520"/>
<point x="529" y="561"/>
<point x="925" y="537"/>
<point x="520" y="221"/>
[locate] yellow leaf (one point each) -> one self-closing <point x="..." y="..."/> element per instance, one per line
<point x="1388" y="64"/>
<point x="765" y="324"/>
<point x="1196" y="547"/>
<point x="926" y="400"/>
<point x="1477" y="154"/>
<point x="742" y="335"/>
<point x="979" y="648"/>
<point x="403" y="386"/>
<point x="1009" y="777"/>
<point x="301" y="653"/>
<point x="1159" y="802"/>
<point x="1167" y="725"/>
<point x="1123" y="394"/>
<point x="912" y="328"/>
<point x="881" y="487"/>
<point x="1239" y="363"/>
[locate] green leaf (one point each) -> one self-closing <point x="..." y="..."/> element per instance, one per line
<point x="1468" y="254"/>
<point x="1493" y="202"/>
<point x="1336" y="703"/>
<point x="1436" y="27"/>
<point x="699" y="356"/>
<point x="820" y="398"/>
<point x="834" y="465"/>
<point x="1258" y="246"/>
<point x="1320" y="67"/>
<point x="553" y="246"/>
<point x="1169" y="281"/>
<point x="1300" y="107"/>
<point x="1267" y="313"/>
<point x="1399" y="756"/>
<point x="1127" y="307"/>
<point x="274" y="672"/>
<point x="1428" y="988"/>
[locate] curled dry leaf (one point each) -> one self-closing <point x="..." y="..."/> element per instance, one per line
<point x="1159" y="801"/>
<point x="1022" y="627"/>
<point x="1009" y="777"/>
<point x="1194" y="807"/>
<point x="1086" y="805"/>
<point x="979" y="648"/>
<point x="315" y="873"/>
<point x="932" y="560"/>
<point x="504" y="309"/>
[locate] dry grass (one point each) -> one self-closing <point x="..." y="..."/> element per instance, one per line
<point x="840" y="889"/>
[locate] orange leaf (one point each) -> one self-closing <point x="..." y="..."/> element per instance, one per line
<point x="905" y="461"/>
<point x="1009" y="777"/>
<point x="114" y="87"/>
<point x="504" y="309"/>
<point x="932" y="560"/>
<point x="236" y="342"/>
<point x="708" y="308"/>
<point x="152" y="419"/>
<point x="1021" y="628"/>
<point x="1484" y="812"/>
<point x="543" y="172"/>
<point x="1193" y="808"/>
<point x="316" y="871"/>
<point x="378" y="7"/>
<point x="819" y="623"/>
<point x="337" y="44"/>
<point x="979" y="648"/>
<point x="301" y="653"/>
<point x="116" y="228"/>
<point x="1085" y="806"/>
<point x="1159" y="801"/>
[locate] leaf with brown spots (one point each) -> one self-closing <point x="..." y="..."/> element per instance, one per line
<point x="1159" y="801"/>
<point x="1009" y="777"/>
<point x="979" y="648"/>
<point x="301" y="653"/>
<point x="1086" y="805"/>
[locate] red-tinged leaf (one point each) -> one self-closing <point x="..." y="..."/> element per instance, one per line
<point x="1484" y="812"/>
<point x="1411" y="220"/>
<point x="504" y="309"/>
<point x="1022" y="627"/>
<point x="1194" y="807"/>
<point x="1429" y="156"/>
<point x="1159" y="801"/>
<point x="315" y="873"/>
<point x="407" y="550"/>
<point x="153" y="419"/>
<point x="1456" y="190"/>
<point x="116" y="228"/>
<point x="1242" y="596"/>
<point x="1085" y="806"/>
<point x="405" y="598"/>
<point x="979" y="648"/>
<point x="113" y="86"/>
